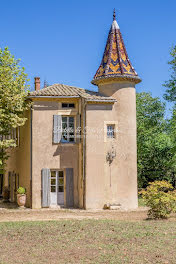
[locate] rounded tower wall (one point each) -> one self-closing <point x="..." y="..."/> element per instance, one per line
<point x="116" y="78"/>
<point x="125" y="163"/>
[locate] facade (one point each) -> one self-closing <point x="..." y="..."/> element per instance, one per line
<point x="78" y="147"/>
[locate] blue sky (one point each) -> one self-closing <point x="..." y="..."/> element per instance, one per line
<point x="63" y="41"/>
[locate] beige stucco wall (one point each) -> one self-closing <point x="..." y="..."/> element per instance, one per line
<point x="45" y="154"/>
<point x="49" y="155"/>
<point x="19" y="160"/>
<point x="115" y="184"/>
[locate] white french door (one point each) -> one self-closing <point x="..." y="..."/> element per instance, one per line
<point x="57" y="188"/>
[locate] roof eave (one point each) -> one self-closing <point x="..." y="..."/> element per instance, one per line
<point x="50" y="96"/>
<point x="102" y="101"/>
<point x="116" y="78"/>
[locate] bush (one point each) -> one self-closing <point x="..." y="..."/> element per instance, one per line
<point x="21" y="190"/>
<point x="161" y="198"/>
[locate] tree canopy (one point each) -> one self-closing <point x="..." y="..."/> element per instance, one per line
<point x="13" y="103"/>
<point x="170" y="93"/>
<point x="156" y="155"/>
<point x="157" y="135"/>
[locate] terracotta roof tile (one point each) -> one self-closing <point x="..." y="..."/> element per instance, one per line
<point x="115" y="62"/>
<point x="62" y="90"/>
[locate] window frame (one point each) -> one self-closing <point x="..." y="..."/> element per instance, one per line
<point x="68" y="106"/>
<point x="67" y="127"/>
<point x="110" y="134"/>
<point x="14" y="134"/>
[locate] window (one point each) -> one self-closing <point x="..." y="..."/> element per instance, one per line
<point x="68" y="105"/>
<point x="14" y="134"/>
<point x="53" y="181"/>
<point x="68" y="129"/>
<point x="110" y="131"/>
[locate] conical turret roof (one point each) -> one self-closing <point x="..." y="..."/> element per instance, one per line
<point x="115" y="63"/>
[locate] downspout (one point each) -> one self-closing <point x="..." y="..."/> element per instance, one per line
<point x="84" y="156"/>
<point x="31" y="154"/>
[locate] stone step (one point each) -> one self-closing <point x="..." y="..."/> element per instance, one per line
<point x="112" y="206"/>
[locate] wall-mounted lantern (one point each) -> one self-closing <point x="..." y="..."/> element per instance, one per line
<point x="110" y="155"/>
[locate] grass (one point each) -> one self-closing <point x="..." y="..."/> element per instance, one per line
<point x="88" y="241"/>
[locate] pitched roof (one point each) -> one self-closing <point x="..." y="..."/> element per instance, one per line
<point x="66" y="91"/>
<point x="115" y="62"/>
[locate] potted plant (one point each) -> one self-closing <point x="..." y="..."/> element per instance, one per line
<point x="6" y="194"/>
<point x="21" y="197"/>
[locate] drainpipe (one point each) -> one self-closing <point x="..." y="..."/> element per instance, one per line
<point x="84" y="150"/>
<point x="31" y="155"/>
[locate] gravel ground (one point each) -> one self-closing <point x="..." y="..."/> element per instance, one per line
<point x="10" y="212"/>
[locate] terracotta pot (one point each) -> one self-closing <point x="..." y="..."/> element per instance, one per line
<point x="21" y="200"/>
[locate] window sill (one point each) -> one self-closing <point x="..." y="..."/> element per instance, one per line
<point x="66" y="143"/>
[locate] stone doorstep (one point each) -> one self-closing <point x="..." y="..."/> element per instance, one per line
<point x="115" y="207"/>
<point x="55" y="207"/>
<point x="112" y="206"/>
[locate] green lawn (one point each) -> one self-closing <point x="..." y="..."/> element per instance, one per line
<point x="88" y="241"/>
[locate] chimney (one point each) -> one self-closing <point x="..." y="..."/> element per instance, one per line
<point x="37" y="83"/>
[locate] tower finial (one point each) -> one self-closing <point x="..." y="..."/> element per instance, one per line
<point x="114" y="15"/>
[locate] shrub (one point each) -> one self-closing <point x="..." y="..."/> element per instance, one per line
<point x="161" y="198"/>
<point x="21" y="190"/>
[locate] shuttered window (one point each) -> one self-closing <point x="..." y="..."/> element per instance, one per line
<point x="14" y="133"/>
<point x="64" y="129"/>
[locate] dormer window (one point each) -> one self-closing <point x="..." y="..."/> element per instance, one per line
<point x="68" y="105"/>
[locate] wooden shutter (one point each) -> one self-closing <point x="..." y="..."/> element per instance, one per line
<point x="45" y="187"/>
<point x="1" y="183"/>
<point x="78" y="128"/>
<point x="18" y="136"/>
<point x="12" y="185"/>
<point x="57" y="133"/>
<point x="69" y="188"/>
<point x="9" y="176"/>
<point x="17" y="181"/>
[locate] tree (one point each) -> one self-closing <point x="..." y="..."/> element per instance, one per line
<point x="156" y="157"/>
<point x="172" y="125"/>
<point x="13" y="103"/>
<point x="170" y="94"/>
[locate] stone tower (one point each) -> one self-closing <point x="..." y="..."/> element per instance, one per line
<point x="117" y="78"/>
